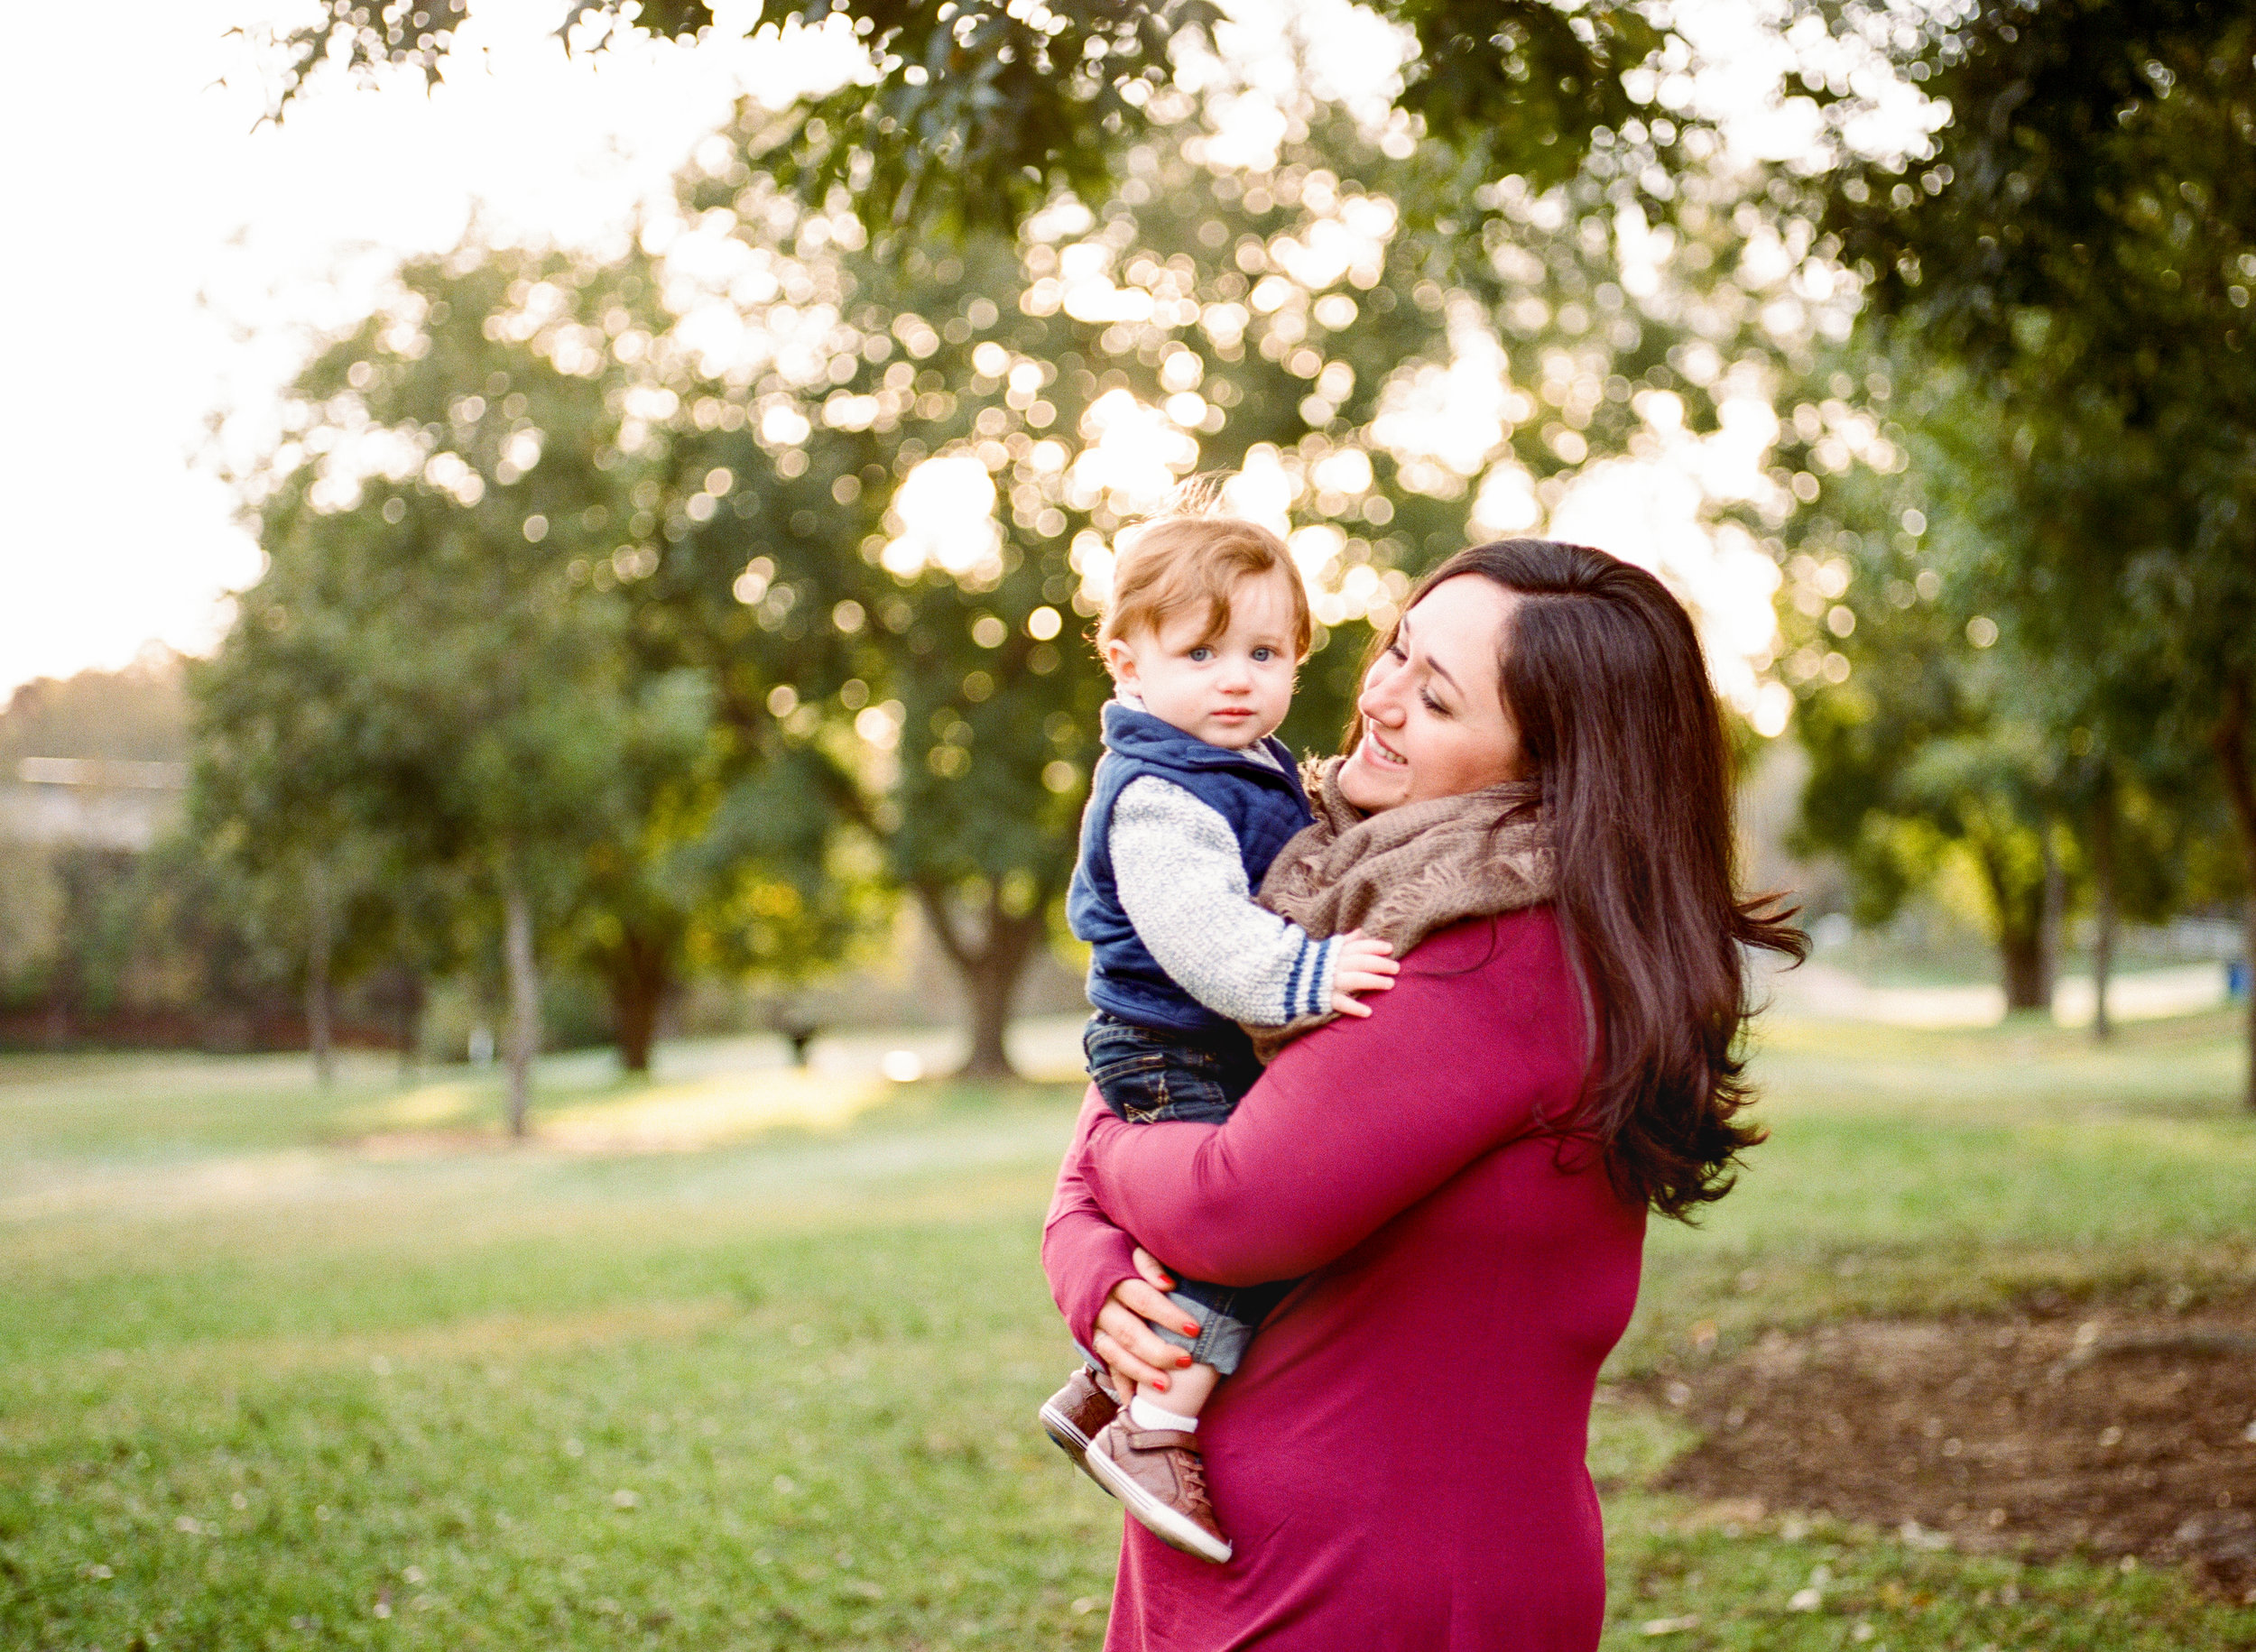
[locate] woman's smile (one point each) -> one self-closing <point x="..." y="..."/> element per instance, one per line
<point x="1434" y="720"/>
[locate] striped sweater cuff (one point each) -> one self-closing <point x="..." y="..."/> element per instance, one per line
<point x="1309" y="989"/>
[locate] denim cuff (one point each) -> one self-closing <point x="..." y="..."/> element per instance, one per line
<point x="1222" y="1338"/>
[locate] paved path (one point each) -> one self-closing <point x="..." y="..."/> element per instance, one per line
<point x="1043" y="1046"/>
<point x="1818" y="989"/>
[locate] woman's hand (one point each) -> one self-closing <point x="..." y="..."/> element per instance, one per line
<point x="1125" y="1342"/>
<point x="1363" y="963"/>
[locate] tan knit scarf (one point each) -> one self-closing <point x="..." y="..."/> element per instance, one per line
<point x="1404" y="872"/>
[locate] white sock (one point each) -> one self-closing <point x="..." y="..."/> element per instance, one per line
<point x="1149" y="1418"/>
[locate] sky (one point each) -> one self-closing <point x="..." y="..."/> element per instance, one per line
<point x="143" y="181"/>
<point x="191" y="250"/>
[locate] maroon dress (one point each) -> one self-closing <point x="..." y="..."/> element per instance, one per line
<point x="1399" y="1460"/>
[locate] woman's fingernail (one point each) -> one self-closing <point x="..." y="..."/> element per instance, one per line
<point x="1182" y="1359"/>
<point x="1159" y="1383"/>
<point x="1191" y="1330"/>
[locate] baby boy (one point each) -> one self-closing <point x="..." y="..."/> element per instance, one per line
<point x="1205" y="628"/>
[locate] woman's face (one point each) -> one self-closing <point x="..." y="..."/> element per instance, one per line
<point x="1434" y="724"/>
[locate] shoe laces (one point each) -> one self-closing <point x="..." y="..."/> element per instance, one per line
<point x="1192" y="1467"/>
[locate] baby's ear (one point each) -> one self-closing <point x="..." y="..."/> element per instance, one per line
<point x="1120" y="660"/>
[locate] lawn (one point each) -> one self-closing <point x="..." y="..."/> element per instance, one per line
<point x="750" y="1361"/>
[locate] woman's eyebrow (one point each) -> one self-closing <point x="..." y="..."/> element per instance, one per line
<point x="1402" y="634"/>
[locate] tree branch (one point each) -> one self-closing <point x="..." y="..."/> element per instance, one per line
<point x="933" y="899"/>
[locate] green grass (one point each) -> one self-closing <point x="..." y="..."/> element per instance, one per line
<point x="282" y="1368"/>
<point x="1914" y="1172"/>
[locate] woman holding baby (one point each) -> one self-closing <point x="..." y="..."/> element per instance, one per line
<point x="1429" y="1216"/>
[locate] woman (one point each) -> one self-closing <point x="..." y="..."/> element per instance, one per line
<point x="1464" y="1176"/>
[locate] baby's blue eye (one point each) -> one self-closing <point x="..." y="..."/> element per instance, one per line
<point x="1265" y="655"/>
<point x="1202" y="653"/>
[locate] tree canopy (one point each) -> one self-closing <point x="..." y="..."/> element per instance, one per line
<point x="2081" y="242"/>
<point x="862" y="497"/>
<point x="973" y="115"/>
<point x="1014" y="240"/>
<point x="432" y="677"/>
<point x="1947" y="736"/>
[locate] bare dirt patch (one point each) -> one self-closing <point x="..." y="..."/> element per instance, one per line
<point x="2104" y="1433"/>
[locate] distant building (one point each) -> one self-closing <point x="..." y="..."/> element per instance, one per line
<point x="90" y="802"/>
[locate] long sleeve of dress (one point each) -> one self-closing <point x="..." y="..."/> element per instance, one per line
<point x="1182" y="883"/>
<point x="1349" y="1127"/>
<point x="1084" y="1254"/>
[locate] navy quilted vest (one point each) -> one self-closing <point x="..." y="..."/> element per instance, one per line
<point x="1265" y="807"/>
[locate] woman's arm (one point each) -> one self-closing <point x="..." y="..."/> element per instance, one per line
<point x="1357" y="1121"/>
<point x="1093" y="1271"/>
<point x="1083" y="1253"/>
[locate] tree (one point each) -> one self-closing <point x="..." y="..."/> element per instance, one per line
<point x="2083" y="237"/>
<point x="269" y="801"/>
<point x="459" y="700"/>
<point x="1944" y="724"/>
<point x="442" y="659"/>
<point x="973" y="115"/>
<point x="136" y="716"/>
<point x="1298" y="318"/>
<point x="890" y="481"/>
<point x="1926" y="747"/>
<point x="121" y="929"/>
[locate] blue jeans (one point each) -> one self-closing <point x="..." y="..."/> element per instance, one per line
<point x="1161" y="1074"/>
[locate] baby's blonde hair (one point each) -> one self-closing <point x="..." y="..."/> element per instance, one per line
<point x="1172" y="563"/>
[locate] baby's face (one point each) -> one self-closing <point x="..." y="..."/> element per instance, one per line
<point x="1228" y="690"/>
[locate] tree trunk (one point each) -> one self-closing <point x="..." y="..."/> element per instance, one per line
<point x="2022" y="953"/>
<point x="2021" y="940"/>
<point x="989" y="990"/>
<point x="638" y="980"/>
<point x="2231" y="742"/>
<point x="2052" y="920"/>
<point x="2104" y="916"/>
<point x="990" y="970"/>
<point x="411" y="1021"/>
<point x="2248" y="967"/>
<point x="524" y="1000"/>
<point x="319" y="998"/>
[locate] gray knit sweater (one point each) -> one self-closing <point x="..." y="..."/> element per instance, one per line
<point x="1182" y="883"/>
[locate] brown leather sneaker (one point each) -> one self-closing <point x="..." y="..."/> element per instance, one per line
<point x="1160" y="1476"/>
<point x="1072" y="1415"/>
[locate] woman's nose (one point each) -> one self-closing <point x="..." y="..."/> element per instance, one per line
<point x="1375" y="703"/>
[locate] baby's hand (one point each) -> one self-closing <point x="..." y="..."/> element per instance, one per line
<point x="1362" y="963"/>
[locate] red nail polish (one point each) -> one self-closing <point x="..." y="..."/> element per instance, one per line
<point x="1191" y="1330"/>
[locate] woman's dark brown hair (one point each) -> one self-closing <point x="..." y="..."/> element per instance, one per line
<point x="1603" y="675"/>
